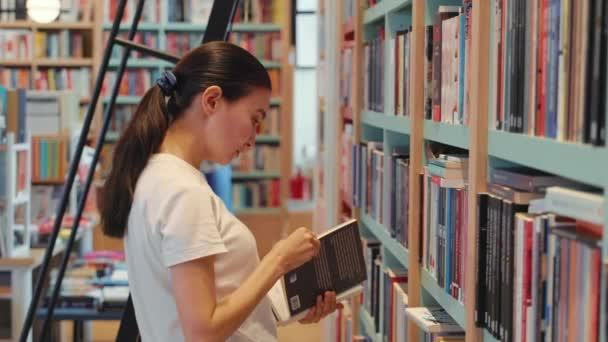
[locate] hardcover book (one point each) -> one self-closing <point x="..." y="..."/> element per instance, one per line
<point x="339" y="267"/>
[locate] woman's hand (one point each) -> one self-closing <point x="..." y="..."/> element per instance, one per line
<point x="324" y="307"/>
<point x="298" y="248"/>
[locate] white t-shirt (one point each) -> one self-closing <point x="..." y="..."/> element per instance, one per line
<point x="176" y="217"/>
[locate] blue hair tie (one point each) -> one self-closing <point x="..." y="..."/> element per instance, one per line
<point x="167" y="82"/>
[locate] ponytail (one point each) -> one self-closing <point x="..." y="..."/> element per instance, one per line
<point x="142" y="138"/>
<point x="222" y="64"/>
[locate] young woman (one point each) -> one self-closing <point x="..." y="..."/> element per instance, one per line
<point x="194" y="270"/>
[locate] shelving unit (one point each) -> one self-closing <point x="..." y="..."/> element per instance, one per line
<point x="486" y="146"/>
<point x="92" y="28"/>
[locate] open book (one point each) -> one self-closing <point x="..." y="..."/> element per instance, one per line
<point x="338" y="267"/>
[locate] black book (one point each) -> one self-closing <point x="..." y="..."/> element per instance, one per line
<point x="594" y="63"/>
<point x="339" y="267"/>
<point x="482" y="226"/>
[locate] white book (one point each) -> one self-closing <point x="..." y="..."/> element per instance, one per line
<point x="433" y="320"/>
<point x="576" y="204"/>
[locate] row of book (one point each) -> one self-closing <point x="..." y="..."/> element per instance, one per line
<point x="16" y="77"/>
<point x="391" y="301"/>
<point x="194" y="11"/>
<point x="366" y="178"/>
<point x="447" y="65"/>
<point x="548" y="60"/>
<point x="373" y="73"/>
<point x="539" y="265"/>
<point x="134" y="82"/>
<point x="50" y="157"/>
<point x="16" y="44"/>
<point x="62" y="44"/>
<point x="444" y="222"/>
<point x="259" y="194"/>
<point x="400" y="56"/>
<point x="264" y="46"/>
<point x="260" y="158"/>
<point x="74" y="79"/>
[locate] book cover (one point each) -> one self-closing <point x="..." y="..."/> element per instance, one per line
<point x="339" y="267"/>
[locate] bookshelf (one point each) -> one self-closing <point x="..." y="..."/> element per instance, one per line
<point x="87" y="27"/>
<point x="487" y="147"/>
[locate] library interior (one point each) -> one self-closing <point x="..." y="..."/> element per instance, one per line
<point x="433" y="168"/>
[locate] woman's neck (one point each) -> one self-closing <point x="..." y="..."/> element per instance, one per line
<point x="181" y="142"/>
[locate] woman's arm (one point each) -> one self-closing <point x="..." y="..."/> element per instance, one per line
<point x="202" y="318"/>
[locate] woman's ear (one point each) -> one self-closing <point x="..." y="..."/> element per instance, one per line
<point x="210" y="99"/>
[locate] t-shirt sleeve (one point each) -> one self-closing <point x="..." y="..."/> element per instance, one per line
<point x="189" y="229"/>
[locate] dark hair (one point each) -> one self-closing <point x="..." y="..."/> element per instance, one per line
<point x="226" y="65"/>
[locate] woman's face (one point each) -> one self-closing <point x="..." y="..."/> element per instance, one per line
<point x="233" y="125"/>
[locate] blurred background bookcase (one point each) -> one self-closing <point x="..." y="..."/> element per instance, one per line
<point x="500" y="119"/>
<point x="260" y="179"/>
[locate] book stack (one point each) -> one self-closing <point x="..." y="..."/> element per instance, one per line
<point x="444" y="222"/>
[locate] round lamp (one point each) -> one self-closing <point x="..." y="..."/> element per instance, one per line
<point x="43" y="11"/>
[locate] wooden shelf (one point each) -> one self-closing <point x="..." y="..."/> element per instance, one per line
<point x="578" y="162"/>
<point x="64" y="62"/>
<point x="255" y="175"/>
<point x="16" y="62"/>
<point x="58" y="25"/>
<point x="454" y="135"/>
<point x="398" y="124"/>
<point x="379" y="11"/>
<point x="453" y="307"/>
<point x="392" y="245"/>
